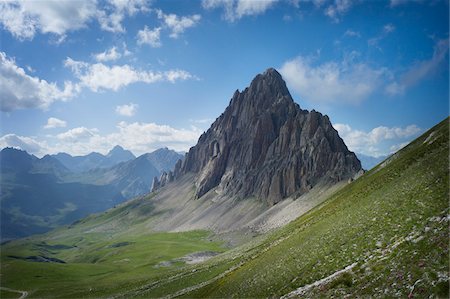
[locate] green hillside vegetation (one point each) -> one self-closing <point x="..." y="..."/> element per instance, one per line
<point x="383" y="235"/>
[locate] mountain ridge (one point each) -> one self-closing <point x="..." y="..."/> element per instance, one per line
<point x="265" y="145"/>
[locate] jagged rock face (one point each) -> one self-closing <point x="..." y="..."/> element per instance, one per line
<point x="264" y="145"/>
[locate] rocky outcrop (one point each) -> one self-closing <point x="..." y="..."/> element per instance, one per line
<point x="265" y="146"/>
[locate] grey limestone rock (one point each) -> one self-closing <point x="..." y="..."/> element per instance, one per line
<point x="265" y="146"/>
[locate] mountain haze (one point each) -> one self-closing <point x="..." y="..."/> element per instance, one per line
<point x="265" y="146"/>
<point x="39" y="194"/>
<point x="94" y="160"/>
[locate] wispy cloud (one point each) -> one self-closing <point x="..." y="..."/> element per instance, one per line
<point x="421" y="69"/>
<point x="346" y="81"/>
<point x="352" y="33"/>
<point x="374" y="41"/>
<point x="337" y="9"/>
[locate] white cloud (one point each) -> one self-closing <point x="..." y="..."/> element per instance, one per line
<point x="108" y="55"/>
<point x="178" y="24"/>
<point x="29" y="144"/>
<point x="345" y="81"/>
<point x="373" y="143"/>
<point x="388" y="28"/>
<point x="138" y="137"/>
<point x="19" y="90"/>
<point x="127" y="110"/>
<point x="236" y="9"/>
<point x="77" y="134"/>
<point x="175" y="75"/>
<point x="336" y="10"/>
<point x="421" y="70"/>
<point x="111" y="17"/>
<point x="352" y="33"/>
<point x="150" y="37"/>
<point x="24" y="18"/>
<point x="99" y="77"/>
<point x="53" y="122"/>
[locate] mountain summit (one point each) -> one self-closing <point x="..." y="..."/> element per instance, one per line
<point x="265" y="146"/>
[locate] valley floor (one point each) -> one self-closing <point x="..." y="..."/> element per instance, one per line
<point x="383" y="235"/>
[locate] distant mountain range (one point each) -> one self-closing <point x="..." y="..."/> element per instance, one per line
<point x="369" y="162"/>
<point x="94" y="160"/>
<point x="39" y="194"/>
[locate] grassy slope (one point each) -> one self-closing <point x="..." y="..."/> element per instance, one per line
<point x="392" y="222"/>
<point x="97" y="263"/>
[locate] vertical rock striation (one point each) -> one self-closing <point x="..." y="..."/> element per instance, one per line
<point x="265" y="146"/>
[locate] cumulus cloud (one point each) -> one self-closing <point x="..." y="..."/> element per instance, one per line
<point x="344" y="81"/>
<point x="138" y="137"/>
<point x="127" y="110"/>
<point x="54" y="122"/>
<point x="24" y="18"/>
<point x="112" y="16"/>
<point x="77" y="134"/>
<point x="373" y="143"/>
<point x="99" y="77"/>
<point x="19" y="90"/>
<point x="177" y="24"/>
<point x="421" y="69"/>
<point x="29" y="144"/>
<point x="108" y="55"/>
<point x="149" y="37"/>
<point x="236" y="9"/>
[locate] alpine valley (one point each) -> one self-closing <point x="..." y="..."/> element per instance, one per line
<point x="40" y="194"/>
<point x="270" y="202"/>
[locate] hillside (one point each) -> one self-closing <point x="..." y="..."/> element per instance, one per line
<point x="385" y="234"/>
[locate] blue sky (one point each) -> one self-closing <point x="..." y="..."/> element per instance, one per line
<point x="83" y="76"/>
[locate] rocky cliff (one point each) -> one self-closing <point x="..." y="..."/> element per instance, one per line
<point x="265" y="146"/>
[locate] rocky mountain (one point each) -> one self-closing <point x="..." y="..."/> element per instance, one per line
<point x="134" y="177"/>
<point x="35" y="196"/>
<point x="18" y="161"/>
<point x="264" y="145"/>
<point x="39" y="194"/>
<point x="94" y="160"/>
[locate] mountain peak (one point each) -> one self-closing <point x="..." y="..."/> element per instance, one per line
<point x="115" y="149"/>
<point x="265" y="146"/>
